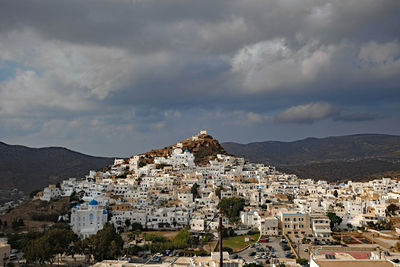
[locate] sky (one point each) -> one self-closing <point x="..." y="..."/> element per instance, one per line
<point x="120" y="77"/>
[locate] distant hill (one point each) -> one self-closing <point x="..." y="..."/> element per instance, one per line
<point x="333" y="158"/>
<point x="204" y="148"/>
<point x="34" y="168"/>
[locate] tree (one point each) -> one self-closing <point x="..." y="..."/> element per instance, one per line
<point x="335" y="220"/>
<point x="218" y="191"/>
<point x="127" y="223"/>
<point x="392" y="209"/>
<point x="302" y="261"/>
<point x="252" y="265"/>
<point x="397" y="246"/>
<point x="349" y="226"/>
<point x="60" y="237"/>
<point x="136" y="227"/>
<point x="231" y="207"/>
<point x="335" y="193"/>
<point x="43" y="248"/>
<point x="107" y="243"/>
<point x="34" y="193"/>
<point x="194" y="191"/>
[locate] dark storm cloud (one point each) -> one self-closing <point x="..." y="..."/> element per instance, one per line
<point x="145" y="68"/>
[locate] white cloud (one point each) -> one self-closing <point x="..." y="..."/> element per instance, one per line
<point x="67" y="75"/>
<point x="28" y="91"/>
<point x="269" y="65"/>
<point x="381" y="59"/>
<point x="308" y="113"/>
<point x="274" y="65"/>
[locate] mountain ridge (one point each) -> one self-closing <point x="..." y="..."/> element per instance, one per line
<point x="312" y="157"/>
<point x="29" y="168"/>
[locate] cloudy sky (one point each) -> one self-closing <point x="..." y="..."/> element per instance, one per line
<point x="119" y="77"/>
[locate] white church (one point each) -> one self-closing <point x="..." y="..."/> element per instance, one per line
<point x="88" y="218"/>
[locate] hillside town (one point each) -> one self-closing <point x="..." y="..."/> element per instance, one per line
<point x="173" y="193"/>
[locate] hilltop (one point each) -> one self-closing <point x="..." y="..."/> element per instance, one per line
<point x="357" y="157"/>
<point x="203" y="146"/>
<point x="28" y="168"/>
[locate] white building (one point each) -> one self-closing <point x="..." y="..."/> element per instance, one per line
<point x="177" y="158"/>
<point x="50" y="192"/>
<point x="321" y="227"/>
<point x="197" y="225"/>
<point x="269" y="226"/>
<point x="87" y="219"/>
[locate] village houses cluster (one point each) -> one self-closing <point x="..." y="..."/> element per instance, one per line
<point x="159" y="196"/>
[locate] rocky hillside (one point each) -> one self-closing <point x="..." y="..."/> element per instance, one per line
<point x="204" y="148"/>
<point x="356" y="157"/>
<point x="28" y="168"/>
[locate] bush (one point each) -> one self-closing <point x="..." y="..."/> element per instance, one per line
<point x="228" y="249"/>
<point x="191" y="252"/>
<point x="52" y="217"/>
<point x="252" y="232"/>
<point x="161" y="243"/>
<point x="302" y="261"/>
<point x="208" y="237"/>
<point x="155" y="238"/>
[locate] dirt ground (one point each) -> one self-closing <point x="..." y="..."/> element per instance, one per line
<point x="26" y="209"/>
<point x="168" y="234"/>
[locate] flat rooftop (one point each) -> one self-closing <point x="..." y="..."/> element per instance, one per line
<point x="354" y="263"/>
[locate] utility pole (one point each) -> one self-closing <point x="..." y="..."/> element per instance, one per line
<point x="221" y="256"/>
<point x="298" y="248"/>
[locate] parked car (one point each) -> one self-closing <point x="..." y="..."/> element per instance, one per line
<point x="156" y="259"/>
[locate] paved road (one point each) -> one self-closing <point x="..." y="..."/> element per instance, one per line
<point x="301" y="248"/>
